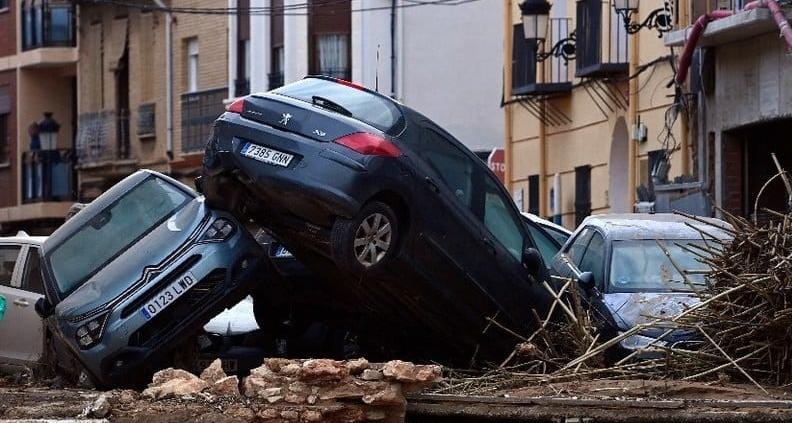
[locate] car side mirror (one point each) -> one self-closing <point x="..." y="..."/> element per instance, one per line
<point x="43" y="308"/>
<point x="533" y="262"/>
<point x="587" y="282"/>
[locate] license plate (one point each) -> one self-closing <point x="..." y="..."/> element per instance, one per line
<point x="266" y="155"/>
<point x="168" y="295"/>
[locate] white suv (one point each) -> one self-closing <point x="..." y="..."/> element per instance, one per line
<point x="21" y="330"/>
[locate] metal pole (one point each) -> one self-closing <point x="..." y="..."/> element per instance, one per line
<point x="168" y="79"/>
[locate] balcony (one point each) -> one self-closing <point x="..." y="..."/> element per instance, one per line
<point x="275" y="80"/>
<point x="47" y="33"/>
<point x="48" y="176"/>
<point x="553" y="75"/>
<point x="103" y="138"/>
<point x="199" y="110"/>
<point x="601" y="40"/>
<point x="241" y="87"/>
<point x="744" y="25"/>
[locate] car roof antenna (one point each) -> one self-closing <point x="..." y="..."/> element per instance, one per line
<point x="376" y="71"/>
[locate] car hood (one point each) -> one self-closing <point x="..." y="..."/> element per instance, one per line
<point x="138" y="263"/>
<point x="632" y="309"/>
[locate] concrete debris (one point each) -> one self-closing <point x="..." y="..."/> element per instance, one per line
<point x="409" y="373"/>
<point x="170" y="383"/>
<point x="214" y="372"/>
<point x="357" y="366"/>
<point x="226" y="387"/>
<point x="371" y="374"/>
<point x="100" y="408"/>
<point x="323" y="370"/>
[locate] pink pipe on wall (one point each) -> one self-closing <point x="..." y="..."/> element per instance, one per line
<point x="692" y="42"/>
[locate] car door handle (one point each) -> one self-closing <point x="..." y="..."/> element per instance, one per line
<point x="21" y="303"/>
<point x="432" y="185"/>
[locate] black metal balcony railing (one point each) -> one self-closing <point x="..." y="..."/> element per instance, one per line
<point x="47" y="24"/>
<point x="48" y="175"/>
<point x="241" y="87"/>
<point x="601" y="40"/>
<point x="199" y="110"/>
<point x="275" y="80"/>
<point x="102" y="137"/>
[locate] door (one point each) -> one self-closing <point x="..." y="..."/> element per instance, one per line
<point x="13" y="335"/>
<point x="32" y="288"/>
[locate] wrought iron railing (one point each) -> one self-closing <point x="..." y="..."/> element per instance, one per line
<point x="48" y="175"/>
<point x="102" y="136"/>
<point x="601" y="39"/>
<point x="241" y="87"/>
<point x="199" y="110"/>
<point x="557" y="69"/>
<point x="275" y="80"/>
<point x="47" y="24"/>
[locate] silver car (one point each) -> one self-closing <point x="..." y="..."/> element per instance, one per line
<point x="21" y="330"/>
<point x="138" y="271"/>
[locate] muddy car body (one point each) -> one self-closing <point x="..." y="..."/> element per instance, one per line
<point x="408" y="224"/>
<point x="628" y="279"/>
<point x="138" y="270"/>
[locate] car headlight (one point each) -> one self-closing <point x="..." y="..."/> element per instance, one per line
<point x="221" y="230"/>
<point x="89" y="334"/>
<point x="638" y="342"/>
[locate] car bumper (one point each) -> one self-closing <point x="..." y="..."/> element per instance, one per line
<point x="130" y="343"/>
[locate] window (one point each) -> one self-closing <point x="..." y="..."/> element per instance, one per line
<point x="192" y="65"/>
<point x="334" y="55"/>
<point x="113" y="230"/>
<point x="578" y="246"/>
<point x="601" y="40"/>
<point x="33" y="281"/>
<point x="276" y="38"/>
<point x="561" y="237"/>
<point x="593" y="259"/>
<point x="500" y="220"/>
<point x="4" y="136"/>
<point x="533" y="194"/>
<point x="276" y="76"/>
<point x="642" y="266"/>
<point x="582" y="193"/>
<point x="544" y="243"/>
<point x="453" y="166"/>
<point x="523" y="60"/>
<point x="46" y="23"/>
<point x="8" y="259"/>
<point x="330" y="30"/>
<point x="3" y="4"/>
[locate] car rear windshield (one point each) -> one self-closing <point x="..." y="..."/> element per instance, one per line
<point x="372" y="109"/>
<point x="643" y="266"/>
<point x="113" y="230"/>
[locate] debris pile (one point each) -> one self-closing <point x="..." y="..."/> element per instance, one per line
<point x="307" y="390"/>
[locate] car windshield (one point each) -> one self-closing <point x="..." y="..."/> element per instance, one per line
<point x="642" y="266"/>
<point x="372" y="109"/>
<point x="113" y="230"/>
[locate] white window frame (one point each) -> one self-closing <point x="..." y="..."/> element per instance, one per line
<point x="192" y="64"/>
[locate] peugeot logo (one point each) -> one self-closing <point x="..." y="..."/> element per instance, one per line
<point x="285" y="117"/>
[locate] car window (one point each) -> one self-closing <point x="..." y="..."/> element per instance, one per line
<point x="643" y="266"/>
<point x="377" y="111"/>
<point x="452" y="165"/>
<point x="32" y="281"/>
<point x="8" y="259"/>
<point x="560" y="236"/>
<point x="594" y="258"/>
<point x="578" y="246"/>
<point x="114" y="230"/>
<point x="501" y="221"/>
<point x="546" y="245"/>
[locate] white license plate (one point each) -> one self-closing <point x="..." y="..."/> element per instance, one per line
<point x="266" y="155"/>
<point x="168" y="295"/>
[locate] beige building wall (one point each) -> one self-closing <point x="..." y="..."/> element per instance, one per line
<point x="596" y="136"/>
<point x="211" y="32"/>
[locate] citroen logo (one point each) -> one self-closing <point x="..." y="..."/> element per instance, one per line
<point x="285" y="117"/>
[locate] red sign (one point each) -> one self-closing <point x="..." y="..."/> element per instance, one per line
<point x="497" y="163"/>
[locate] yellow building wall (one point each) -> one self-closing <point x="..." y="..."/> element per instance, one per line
<point x="589" y="138"/>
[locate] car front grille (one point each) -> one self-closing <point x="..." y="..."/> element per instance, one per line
<point x="154" y="290"/>
<point x="182" y="309"/>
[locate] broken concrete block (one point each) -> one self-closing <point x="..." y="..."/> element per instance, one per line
<point x="357" y="366"/>
<point x="276" y="364"/>
<point x="170" y="373"/>
<point x="290" y="415"/>
<point x="214" y="372"/>
<point x="311" y="416"/>
<point x="346" y="390"/>
<point x="290" y="370"/>
<point x="391" y="394"/>
<point x="371" y="375"/>
<point x="226" y="387"/>
<point x="405" y="372"/>
<point x="323" y="370"/>
<point x="268" y="414"/>
<point x="100" y="408"/>
<point x="176" y="388"/>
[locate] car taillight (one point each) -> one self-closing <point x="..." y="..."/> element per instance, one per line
<point x="369" y="144"/>
<point x="237" y="106"/>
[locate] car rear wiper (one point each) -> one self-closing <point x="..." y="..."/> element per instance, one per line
<point x="330" y="105"/>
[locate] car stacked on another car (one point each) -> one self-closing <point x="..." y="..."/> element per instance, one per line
<point x="137" y="271"/>
<point x="629" y="266"/>
<point x="399" y="216"/>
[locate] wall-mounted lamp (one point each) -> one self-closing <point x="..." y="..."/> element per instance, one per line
<point x="661" y="19"/>
<point x="535" y="18"/>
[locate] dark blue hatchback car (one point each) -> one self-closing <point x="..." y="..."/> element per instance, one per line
<point x="414" y="228"/>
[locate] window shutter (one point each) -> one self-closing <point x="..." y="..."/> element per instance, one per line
<point x="533" y="194"/>
<point x="5" y="102"/>
<point x="589" y="33"/>
<point x="582" y="193"/>
<point x="523" y="60"/>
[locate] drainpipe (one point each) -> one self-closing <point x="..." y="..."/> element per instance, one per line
<point x="393" y="49"/>
<point x="632" y="117"/>
<point x="778" y="15"/>
<point x="168" y="78"/>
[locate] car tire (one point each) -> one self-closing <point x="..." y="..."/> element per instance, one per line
<point x="368" y="241"/>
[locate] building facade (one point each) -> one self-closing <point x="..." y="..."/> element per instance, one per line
<point x="38" y="65"/>
<point x="442" y="60"/>
<point x="742" y="84"/>
<point x="591" y="126"/>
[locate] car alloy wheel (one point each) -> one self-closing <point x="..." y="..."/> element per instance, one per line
<point x="373" y="239"/>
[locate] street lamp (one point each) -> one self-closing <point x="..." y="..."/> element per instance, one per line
<point x="535" y="18"/>
<point x="48" y="132"/>
<point x="660" y="19"/>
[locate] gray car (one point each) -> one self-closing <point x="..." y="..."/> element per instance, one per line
<point x="621" y="262"/>
<point x="139" y="270"/>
